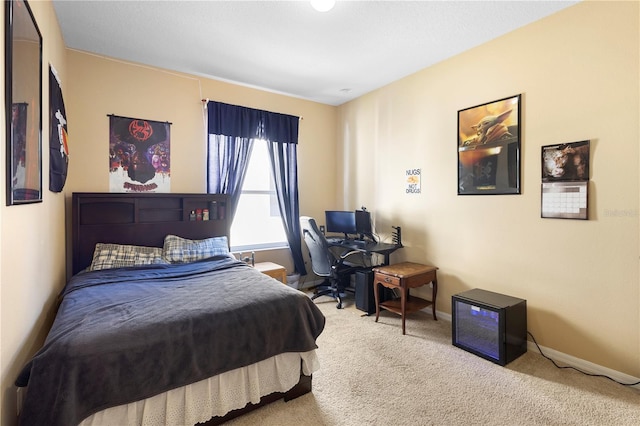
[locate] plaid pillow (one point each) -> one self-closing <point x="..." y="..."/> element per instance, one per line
<point x="182" y="250"/>
<point x="108" y="256"/>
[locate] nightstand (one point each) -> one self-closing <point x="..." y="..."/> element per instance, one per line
<point x="404" y="276"/>
<point x="273" y="270"/>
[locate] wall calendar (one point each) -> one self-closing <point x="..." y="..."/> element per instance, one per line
<point x="565" y="180"/>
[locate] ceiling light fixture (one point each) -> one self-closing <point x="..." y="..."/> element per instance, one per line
<point x="323" y="5"/>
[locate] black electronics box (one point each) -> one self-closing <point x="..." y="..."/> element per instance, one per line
<point x="490" y="325"/>
<point x="365" y="299"/>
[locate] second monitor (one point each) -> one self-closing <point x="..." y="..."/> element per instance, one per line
<point x="349" y="223"/>
<point x="363" y="224"/>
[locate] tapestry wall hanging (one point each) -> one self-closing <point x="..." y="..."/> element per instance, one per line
<point x="58" y="145"/>
<point x="489" y="148"/>
<point x="139" y="155"/>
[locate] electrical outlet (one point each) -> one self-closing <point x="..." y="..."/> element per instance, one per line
<point x="322" y="228"/>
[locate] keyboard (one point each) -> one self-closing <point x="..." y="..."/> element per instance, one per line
<point x="335" y="240"/>
<point x="349" y="242"/>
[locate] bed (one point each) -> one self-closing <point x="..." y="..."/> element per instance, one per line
<point x="159" y="324"/>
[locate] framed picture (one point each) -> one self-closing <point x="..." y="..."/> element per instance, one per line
<point x="23" y="103"/>
<point x="565" y="180"/>
<point x="489" y="148"/>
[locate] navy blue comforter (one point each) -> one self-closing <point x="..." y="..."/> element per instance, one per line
<point x="127" y="334"/>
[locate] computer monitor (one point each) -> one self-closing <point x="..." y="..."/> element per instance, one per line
<point x="343" y="222"/>
<point x="363" y="224"/>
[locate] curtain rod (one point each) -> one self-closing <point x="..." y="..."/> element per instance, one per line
<point x="206" y="101"/>
<point x="144" y="119"/>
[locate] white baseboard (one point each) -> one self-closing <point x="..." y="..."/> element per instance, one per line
<point x="563" y="359"/>
<point x="441" y="315"/>
<point x="582" y="365"/>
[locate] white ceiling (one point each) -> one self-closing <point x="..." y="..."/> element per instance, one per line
<point x="286" y="46"/>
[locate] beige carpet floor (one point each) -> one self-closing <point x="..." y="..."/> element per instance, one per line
<point x="371" y="374"/>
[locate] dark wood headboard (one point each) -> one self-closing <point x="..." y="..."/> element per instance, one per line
<point x="141" y="219"/>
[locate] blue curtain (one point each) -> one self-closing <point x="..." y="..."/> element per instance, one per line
<point x="284" y="166"/>
<point x="227" y="161"/>
<point x="232" y="130"/>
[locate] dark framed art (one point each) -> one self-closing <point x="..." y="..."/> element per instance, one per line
<point x="489" y="148"/>
<point x="565" y="180"/>
<point x="23" y="104"/>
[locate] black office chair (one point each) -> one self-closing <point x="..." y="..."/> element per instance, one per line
<point x="325" y="263"/>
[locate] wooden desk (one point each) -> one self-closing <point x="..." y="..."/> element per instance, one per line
<point x="273" y="270"/>
<point x="405" y="276"/>
<point x="370" y="247"/>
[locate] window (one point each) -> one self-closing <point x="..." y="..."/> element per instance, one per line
<point x="257" y="223"/>
<point x="235" y="131"/>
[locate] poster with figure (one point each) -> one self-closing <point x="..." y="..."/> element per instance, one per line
<point x="139" y="155"/>
<point x="489" y="148"/>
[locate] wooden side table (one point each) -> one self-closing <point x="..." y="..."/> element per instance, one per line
<point x="273" y="270"/>
<point x="405" y="276"/>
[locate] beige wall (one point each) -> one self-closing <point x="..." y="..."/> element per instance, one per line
<point x="578" y="75"/>
<point x="103" y="86"/>
<point x="32" y="242"/>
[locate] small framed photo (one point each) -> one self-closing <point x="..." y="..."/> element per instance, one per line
<point x="489" y="148"/>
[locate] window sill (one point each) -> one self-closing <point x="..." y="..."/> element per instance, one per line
<point x="259" y="247"/>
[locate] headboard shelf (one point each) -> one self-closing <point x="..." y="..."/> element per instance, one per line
<point x="141" y="219"/>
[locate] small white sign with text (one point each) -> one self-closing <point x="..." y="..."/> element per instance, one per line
<point x="412" y="178"/>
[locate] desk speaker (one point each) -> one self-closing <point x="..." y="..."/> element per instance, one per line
<point x="365" y="299"/>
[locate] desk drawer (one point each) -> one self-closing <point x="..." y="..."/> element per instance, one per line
<point x="387" y="280"/>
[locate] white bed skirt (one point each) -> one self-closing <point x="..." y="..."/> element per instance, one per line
<point x="216" y="396"/>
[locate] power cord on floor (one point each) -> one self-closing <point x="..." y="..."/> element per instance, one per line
<point x="577" y="369"/>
